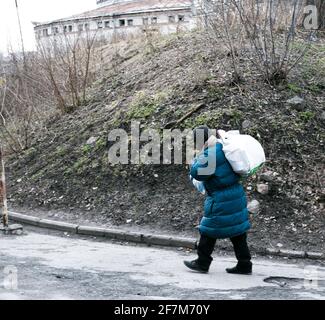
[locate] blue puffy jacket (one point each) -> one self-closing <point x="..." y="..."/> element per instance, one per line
<point x="225" y="208"/>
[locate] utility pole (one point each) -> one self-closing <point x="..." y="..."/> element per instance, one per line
<point x="21" y="35"/>
<point x="3" y="191"/>
<point x="13" y="229"/>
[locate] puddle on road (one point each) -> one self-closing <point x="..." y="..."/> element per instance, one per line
<point x="296" y="283"/>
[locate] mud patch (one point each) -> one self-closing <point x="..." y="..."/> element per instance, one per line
<point x="296" y="283"/>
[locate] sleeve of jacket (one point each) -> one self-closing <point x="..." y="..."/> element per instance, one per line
<point x="204" y="165"/>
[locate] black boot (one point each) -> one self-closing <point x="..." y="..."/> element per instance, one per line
<point x="204" y="250"/>
<point x="241" y="268"/>
<point x="244" y="265"/>
<point x="195" y="266"/>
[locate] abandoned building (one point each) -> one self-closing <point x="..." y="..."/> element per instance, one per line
<point x="117" y="18"/>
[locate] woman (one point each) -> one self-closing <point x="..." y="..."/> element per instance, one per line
<point x="225" y="208"/>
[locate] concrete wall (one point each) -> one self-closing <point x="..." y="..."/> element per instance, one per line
<point x="106" y="28"/>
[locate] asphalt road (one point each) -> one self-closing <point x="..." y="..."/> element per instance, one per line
<point x="47" y="265"/>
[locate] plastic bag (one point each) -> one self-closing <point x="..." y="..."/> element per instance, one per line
<point x="199" y="185"/>
<point x="244" y="153"/>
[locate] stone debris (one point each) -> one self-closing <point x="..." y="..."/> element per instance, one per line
<point x="91" y="140"/>
<point x="253" y="207"/>
<point x="263" y="188"/>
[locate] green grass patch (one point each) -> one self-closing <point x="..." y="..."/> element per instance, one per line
<point x="100" y="143"/>
<point x="86" y="148"/>
<point x="294" y="88"/>
<point x="215" y="91"/>
<point x="80" y="164"/>
<point x="306" y="116"/>
<point x="210" y="118"/>
<point x="60" y="151"/>
<point x="145" y="105"/>
<point x="313" y="68"/>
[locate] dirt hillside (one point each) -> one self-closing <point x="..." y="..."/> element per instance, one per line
<point x="67" y="170"/>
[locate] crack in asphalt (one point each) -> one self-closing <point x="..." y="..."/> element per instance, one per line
<point x="38" y="281"/>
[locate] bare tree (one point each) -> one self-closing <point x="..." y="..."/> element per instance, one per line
<point x="263" y="31"/>
<point x="37" y="84"/>
<point x="68" y="62"/>
<point x="21" y="95"/>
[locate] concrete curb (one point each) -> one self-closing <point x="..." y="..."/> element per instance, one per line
<point x="149" y="239"/>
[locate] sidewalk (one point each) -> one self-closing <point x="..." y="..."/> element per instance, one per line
<point x="60" y="267"/>
<point x="150" y="239"/>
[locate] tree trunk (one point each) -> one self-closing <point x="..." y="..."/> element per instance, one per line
<point x="3" y="195"/>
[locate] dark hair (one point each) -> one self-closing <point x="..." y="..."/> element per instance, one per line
<point x="199" y="132"/>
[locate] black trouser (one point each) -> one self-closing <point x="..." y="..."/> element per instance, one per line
<point x="206" y="247"/>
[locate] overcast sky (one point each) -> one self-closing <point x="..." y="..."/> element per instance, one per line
<point x="34" y="10"/>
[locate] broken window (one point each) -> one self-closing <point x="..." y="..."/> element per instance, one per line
<point x="145" y="21"/>
<point x="86" y="26"/>
<point x="70" y="28"/>
<point x="122" y="22"/>
<point x="171" y="19"/>
<point x="100" y="24"/>
<point x="130" y="22"/>
<point x="181" y="18"/>
<point x="55" y="30"/>
<point x="45" y="32"/>
<point x="65" y="29"/>
<point x="154" y="20"/>
<point x="107" y="24"/>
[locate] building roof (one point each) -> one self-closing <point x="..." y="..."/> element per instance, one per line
<point x="132" y="6"/>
